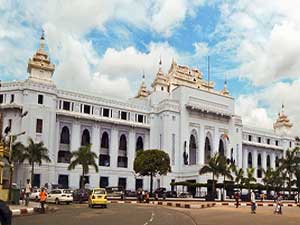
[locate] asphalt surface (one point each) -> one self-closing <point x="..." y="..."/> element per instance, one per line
<point x="115" y="214"/>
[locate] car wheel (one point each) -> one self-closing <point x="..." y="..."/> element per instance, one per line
<point x="105" y="206"/>
<point x="57" y="201"/>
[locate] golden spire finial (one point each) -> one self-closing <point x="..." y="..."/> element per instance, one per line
<point x="42" y="40"/>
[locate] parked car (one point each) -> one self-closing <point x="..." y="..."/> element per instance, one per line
<point x="115" y="192"/>
<point x="5" y="214"/>
<point x="98" y="196"/>
<point x="130" y="193"/>
<point x="171" y="194"/>
<point x="161" y="192"/>
<point x="60" y="196"/>
<point x="81" y="195"/>
<point x="185" y="195"/>
<point x="35" y="194"/>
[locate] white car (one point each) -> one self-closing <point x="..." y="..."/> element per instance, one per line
<point x="35" y="195"/>
<point x="60" y="195"/>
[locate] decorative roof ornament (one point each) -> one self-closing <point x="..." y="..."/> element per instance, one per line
<point x="225" y="90"/>
<point x="282" y="121"/>
<point x="39" y="66"/>
<point x="142" y="92"/>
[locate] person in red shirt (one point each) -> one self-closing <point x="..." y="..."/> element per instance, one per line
<point x="43" y="197"/>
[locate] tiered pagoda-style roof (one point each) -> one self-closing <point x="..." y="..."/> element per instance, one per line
<point x="282" y="120"/>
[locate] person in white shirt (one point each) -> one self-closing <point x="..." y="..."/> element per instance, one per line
<point x="27" y="191"/>
<point x="253" y="202"/>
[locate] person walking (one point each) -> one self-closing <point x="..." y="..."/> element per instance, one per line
<point x="27" y="192"/>
<point x="253" y="202"/>
<point x="43" y="198"/>
<point x="237" y="199"/>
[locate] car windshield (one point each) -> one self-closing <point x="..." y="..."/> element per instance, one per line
<point x="99" y="192"/>
<point x="67" y="191"/>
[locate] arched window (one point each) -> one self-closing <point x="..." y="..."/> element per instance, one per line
<point x="249" y="160"/>
<point x="192" y="150"/>
<point x="139" y="144"/>
<point x="123" y="143"/>
<point x="104" y="158"/>
<point x="277" y="162"/>
<point x="122" y="156"/>
<point x="85" y="139"/>
<point x="207" y="150"/>
<point x="221" y="148"/>
<point x="268" y="161"/>
<point x="104" y="140"/>
<point x="65" y="136"/>
<point x="259" y="170"/>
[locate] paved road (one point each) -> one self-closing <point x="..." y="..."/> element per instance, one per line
<point x="115" y="214"/>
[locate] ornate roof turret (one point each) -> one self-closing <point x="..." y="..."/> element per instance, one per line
<point x="282" y="124"/>
<point x="143" y="92"/>
<point x="225" y="91"/>
<point x="160" y="78"/>
<point x="39" y="66"/>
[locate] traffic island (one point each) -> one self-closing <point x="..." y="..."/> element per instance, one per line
<point x="33" y="208"/>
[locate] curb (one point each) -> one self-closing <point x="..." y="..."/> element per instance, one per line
<point x="170" y="204"/>
<point x="30" y="211"/>
<point x="243" y="204"/>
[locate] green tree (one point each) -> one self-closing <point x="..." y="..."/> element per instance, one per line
<point x="35" y="153"/>
<point x="239" y="175"/>
<point x="249" y="179"/>
<point x="213" y="168"/>
<point x="225" y="171"/>
<point x="152" y="162"/>
<point x="287" y="164"/>
<point x="84" y="157"/>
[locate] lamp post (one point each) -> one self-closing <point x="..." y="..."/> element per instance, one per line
<point x="11" y="139"/>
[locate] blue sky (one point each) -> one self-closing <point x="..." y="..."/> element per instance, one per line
<point x="107" y="44"/>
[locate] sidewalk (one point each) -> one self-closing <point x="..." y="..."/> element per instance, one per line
<point x="33" y="207"/>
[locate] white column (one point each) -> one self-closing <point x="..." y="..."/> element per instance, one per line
<point x="75" y="136"/>
<point x="254" y="162"/>
<point x="114" y="147"/>
<point x="273" y="160"/>
<point x="245" y="159"/>
<point x="264" y="160"/>
<point x="216" y="140"/>
<point x="131" y="149"/>
<point x="96" y="139"/>
<point x="201" y="144"/>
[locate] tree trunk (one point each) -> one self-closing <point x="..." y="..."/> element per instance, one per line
<point x="222" y="198"/>
<point x="32" y="173"/>
<point x="213" y="186"/>
<point x="290" y="186"/>
<point x="82" y="180"/>
<point x="151" y="183"/>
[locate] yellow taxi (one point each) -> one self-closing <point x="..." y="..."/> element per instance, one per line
<point x="98" y="196"/>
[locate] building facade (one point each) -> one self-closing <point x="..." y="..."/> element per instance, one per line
<point x="183" y="115"/>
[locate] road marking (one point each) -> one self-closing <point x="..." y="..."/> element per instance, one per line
<point x="151" y="219"/>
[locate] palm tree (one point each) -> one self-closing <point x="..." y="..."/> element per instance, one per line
<point x="213" y="168"/>
<point x="250" y="178"/>
<point x="84" y="157"/>
<point x="268" y="179"/>
<point x="225" y="171"/>
<point x="17" y="154"/>
<point x="239" y="175"/>
<point x="288" y="165"/>
<point x="35" y="153"/>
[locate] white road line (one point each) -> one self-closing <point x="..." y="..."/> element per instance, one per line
<point x="151" y="219"/>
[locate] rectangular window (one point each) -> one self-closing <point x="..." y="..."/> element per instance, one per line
<point x="40" y="99"/>
<point x="39" y="126"/>
<point x="105" y="112"/>
<point x="87" y="109"/>
<point x="173" y="149"/>
<point x="249" y="138"/>
<point x="81" y="108"/>
<point x="138" y="183"/>
<point x="290" y="144"/>
<point x="103" y="182"/>
<point x="63" y="181"/>
<point x="66" y="105"/>
<point x="12" y="98"/>
<point x="140" y="118"/>
<point x="122" y="182"/>
<point x="268" y="141"/>
<point x="123" y="115"/>
<point x="1" y="99"/>
<point x="72" y="106"/>
<point x="10" y="124"/>
<point x="276" y="142"/>
<point x="259" y="139"/>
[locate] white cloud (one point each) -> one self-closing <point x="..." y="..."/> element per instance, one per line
<point x="201" y="49"/>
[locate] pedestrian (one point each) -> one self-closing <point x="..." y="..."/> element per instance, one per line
<point x="22" y="196"/>
<point x="278" y="206"/>
<point x="237" y="199"/>
<point x="27" y="191"/>
<point x="253" y="202"/>
<point x="43" y="198"/>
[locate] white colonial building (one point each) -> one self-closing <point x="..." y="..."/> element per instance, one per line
<point x="183" y="115"/>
